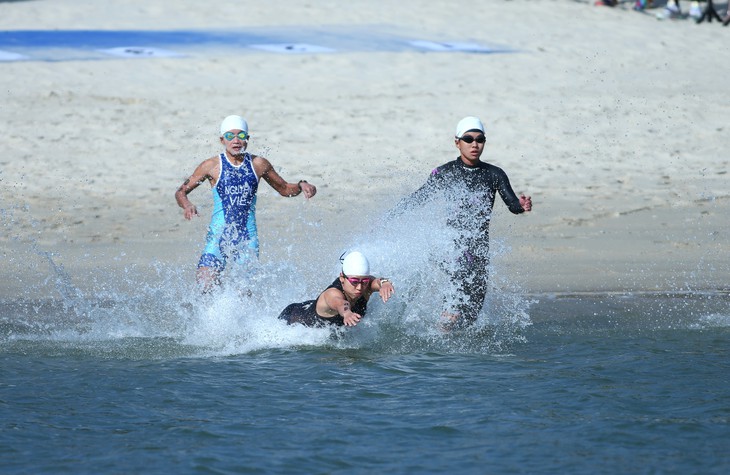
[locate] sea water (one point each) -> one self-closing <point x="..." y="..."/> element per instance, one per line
<point x="161" y="379"/>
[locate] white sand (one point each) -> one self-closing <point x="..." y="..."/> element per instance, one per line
<point x="614" y="122"/>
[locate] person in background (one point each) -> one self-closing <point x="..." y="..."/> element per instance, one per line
<point x="345" y="301"/>
<point x="234" y="176"/>
<point x="673" y="11"/>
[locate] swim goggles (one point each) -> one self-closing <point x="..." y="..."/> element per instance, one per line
<point x="354" y="281"/>
<point x="470" y="139"/>
<point x="230" y="135"/>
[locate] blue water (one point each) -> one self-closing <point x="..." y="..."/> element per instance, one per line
<point x="137" y="372"/>
<point x="589" y="383"/>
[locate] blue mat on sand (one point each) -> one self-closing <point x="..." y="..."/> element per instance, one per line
<point x="63" y="45"/>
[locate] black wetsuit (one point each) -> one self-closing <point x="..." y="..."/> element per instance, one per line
<point x="471" y="190"/>
<point x="306" y="312"/>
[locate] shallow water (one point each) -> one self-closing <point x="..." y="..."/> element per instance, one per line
<point x="139" y="373"/>
<point x="584" y="383"/>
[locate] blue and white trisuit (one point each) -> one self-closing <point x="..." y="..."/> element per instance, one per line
<point x="232" y="232"/>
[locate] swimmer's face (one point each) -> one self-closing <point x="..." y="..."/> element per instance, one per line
<point x="235" y="141"/>
<point x="471" y="145"/>
<point x="355" y="285"/>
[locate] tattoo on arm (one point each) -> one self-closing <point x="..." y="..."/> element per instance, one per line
<point x="186" y="188"/>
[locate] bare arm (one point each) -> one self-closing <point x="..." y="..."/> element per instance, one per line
<point x="337" y="304"/>
<point x="265" y="170"/>
<point x="208" y="170"/>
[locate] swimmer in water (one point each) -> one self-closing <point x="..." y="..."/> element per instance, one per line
<point x="345" y="301"/>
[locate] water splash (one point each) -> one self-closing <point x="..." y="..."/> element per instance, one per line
<point x="143" y="308"/>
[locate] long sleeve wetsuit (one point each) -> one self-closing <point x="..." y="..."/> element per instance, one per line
<point x="471" y="192"/>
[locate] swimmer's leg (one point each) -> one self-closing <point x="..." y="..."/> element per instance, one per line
<point x="207" y="278"/>
<point x="472" y="278"/>
<point x="208" y="275"/>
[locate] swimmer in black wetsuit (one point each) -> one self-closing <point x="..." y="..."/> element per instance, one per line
<point x="471" y="186"/>
<point x="345" y="301"/>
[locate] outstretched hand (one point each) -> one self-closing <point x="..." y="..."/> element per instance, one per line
<point x="526" y="202"/>
<point x="351" y="318"/>
<point x="386" y="291"/>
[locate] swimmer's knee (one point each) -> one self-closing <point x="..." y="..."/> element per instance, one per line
<point x="207" y="278"/>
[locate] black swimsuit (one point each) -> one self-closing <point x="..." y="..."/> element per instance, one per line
<point x="306" y="312"/>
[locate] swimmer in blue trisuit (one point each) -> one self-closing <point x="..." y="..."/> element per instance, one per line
<point x="471" y="185"/>
<point x="234" y="177"/>
<point x="345" y="301"/>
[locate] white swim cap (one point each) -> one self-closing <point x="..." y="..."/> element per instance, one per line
<point x="355" y="264"/>
<point x="233" y="122"/>
<point x="468" y="123"/>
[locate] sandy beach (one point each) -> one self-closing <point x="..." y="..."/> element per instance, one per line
<point x="614" y="122"/>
